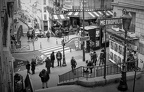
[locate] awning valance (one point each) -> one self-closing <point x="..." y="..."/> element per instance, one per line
<point x="60" y="17"/>
<point x="90" y="14"/>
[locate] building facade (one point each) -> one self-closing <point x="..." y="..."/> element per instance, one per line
<point x="7" y="8"/>
<point x="136" y="9"/>
<point x="89" y="4"/>
<point x="45" y="14"/>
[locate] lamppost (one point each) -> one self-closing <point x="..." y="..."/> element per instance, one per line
<point x="63" y="44"/>
<point x="83" y="47"/>
<point x="126" y="24"/>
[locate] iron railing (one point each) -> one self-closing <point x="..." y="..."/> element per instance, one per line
<point x="97" y="71"/>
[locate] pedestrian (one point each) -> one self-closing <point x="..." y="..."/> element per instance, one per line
<point x="28" y="67"/>
<point x="102" y="57"/>
<point x="28" y="35"/>
<point x="90" y="66"/>
<point x="48" y="35"/>
<point x="33" y="64"/>
<point x="91" y="55"/>
<point x="73" y="64"/>
<point x="52" y="59"/>
<point x="94" y="58"/>
<point x="44" y="75"/>
<point x="48" y="64"/>
<point x="59" y="57"/>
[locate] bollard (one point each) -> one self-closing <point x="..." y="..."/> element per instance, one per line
<point x="56" y="41"/>
<point x="70" y="50"/>
<point x="40" y="46"/>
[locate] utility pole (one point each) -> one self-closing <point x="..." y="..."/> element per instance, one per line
<point x="83" y="35"/>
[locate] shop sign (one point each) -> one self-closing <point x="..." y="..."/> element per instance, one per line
<point x="110" y="21"/>
<point x="84" y="38"/>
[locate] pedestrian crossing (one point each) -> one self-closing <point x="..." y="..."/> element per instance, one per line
<point x="48" y="51"/>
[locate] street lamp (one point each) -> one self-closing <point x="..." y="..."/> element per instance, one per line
<point x="83" y="35"/>
<point x="63" y="44"/>
<point x="126" y="24"/>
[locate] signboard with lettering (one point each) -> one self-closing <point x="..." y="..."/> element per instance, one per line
<point x="110" y="21"/>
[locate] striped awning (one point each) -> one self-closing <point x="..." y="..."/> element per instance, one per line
<point x="90" y="14"/>
<point x="60" y="17"/>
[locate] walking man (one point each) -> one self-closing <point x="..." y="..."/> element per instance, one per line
<point x="102" y="57"/>
<point x="52" y="59"/>
<point x="33" y="64"/>
<point x="94" y="58"/>
<point x="48" y="64"/>
<point x="44" y="75"/>
<point x="48" y="35"/>
<point x="59" y="57"/>
<point x="28" y="67"/>
<point x="73" y="64"/>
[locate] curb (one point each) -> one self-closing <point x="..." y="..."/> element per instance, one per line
<point x="100" y="81"/>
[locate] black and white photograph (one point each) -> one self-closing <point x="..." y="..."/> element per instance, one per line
<point x="71" y="45"/>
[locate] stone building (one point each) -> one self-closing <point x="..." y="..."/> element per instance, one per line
<point x="136" y="9"/>
<point x="7" y="8"/>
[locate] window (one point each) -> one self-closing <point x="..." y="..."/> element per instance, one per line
<point x="111" y="55"/>
<point x="44" y="2"/>
<point x="44" y="9"/>
<point x="45" y="17"/>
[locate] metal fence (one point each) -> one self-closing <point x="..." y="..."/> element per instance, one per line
<point x="91" y="72"/>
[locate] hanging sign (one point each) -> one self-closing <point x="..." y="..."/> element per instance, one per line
<point x="110" y="21"/>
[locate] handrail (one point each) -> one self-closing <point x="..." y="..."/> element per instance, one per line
<point x="91" y="72"/>
<point x="71" y="39"/>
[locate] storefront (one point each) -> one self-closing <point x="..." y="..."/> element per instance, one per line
<point x="60" y="24"/>
<point x="76" y="16"/>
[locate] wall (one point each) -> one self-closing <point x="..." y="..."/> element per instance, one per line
<point x="6" y="59"/>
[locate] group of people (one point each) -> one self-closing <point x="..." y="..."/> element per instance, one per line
<point x="32" y="66"/>
<point x="30" y="34"/>
<point x="94" y="59"/>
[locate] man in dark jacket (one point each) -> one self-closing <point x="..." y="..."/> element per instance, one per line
<point x="52" y="59"/>
<point x="94" y="58"/>
<point x="33" y="64"/>
<point x="28" y="67"/>
<point x="59" y="57"/>
<point x="73" y="64"/>
<point x="102" y="57"/>
<point x="44" y="75"/>
<point x="48" y="64"/>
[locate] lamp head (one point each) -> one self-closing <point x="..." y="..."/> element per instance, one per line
<point x="126" y="17"/>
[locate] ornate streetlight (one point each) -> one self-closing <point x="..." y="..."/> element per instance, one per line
<point x="126" y="24"/>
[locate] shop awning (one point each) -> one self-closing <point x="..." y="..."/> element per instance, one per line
<point x="90" y="14"/>
<point x="60" y="17"/>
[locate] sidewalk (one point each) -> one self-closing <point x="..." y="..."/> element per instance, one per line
<point x="54" y="79"/>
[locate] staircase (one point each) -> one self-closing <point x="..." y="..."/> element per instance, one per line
<point x="81" y="73"/>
